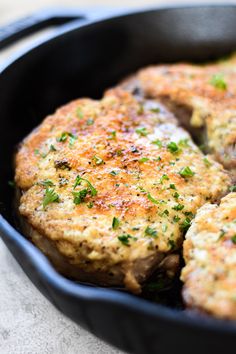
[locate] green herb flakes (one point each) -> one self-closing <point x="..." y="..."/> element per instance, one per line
<point x="78" y="181"/>
<point x="125" y="239"/>
<point x="97" y="160"/>
<point x="90" y="121"/>
<point x="178" y="207"/>
<point x="79" y="113"/>
<point x="164" y="178"/>
<point x="80" y="196"/>
<point x="150" y="232"/>
<point x="232" y="188"/>
<point x="142" y="131"/>
<point x="157" y="142"/>
<point x="50" y="197"/>
<point x="233" y="239"/>
<point x="186" y="172"/>
<point x="207" y="162"/>
<point x="173" y="147"/>
<point x="115" y="223"/>
<point x="218" y="81"/>
<point x="144" y="159"/>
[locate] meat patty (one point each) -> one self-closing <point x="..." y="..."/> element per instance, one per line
<point x="203" y="96"/>
<point x="210" y="254"/>
<point x="109" y="187"/>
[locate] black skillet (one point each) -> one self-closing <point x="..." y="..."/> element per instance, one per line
<point x="82" y="59"/>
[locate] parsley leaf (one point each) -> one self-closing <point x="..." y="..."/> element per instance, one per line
<point x="173" y="147"/>
<point x="78" y="181"/>
<point x="46" y="183"/>
<point x="164" y="178"/>
<point x="50" y="197"/>
<point x="186" y="172"/>
<point x="125" y="239"/>
<point x="233" y="239"/>
<point x="218" y="81"/>
<point x="142" y="131"/>
<point x="79" y="113"/>
<point x="97" y="160"/>
<point x="178" y="207"/>
<point x="90" y="121"/>
<point x="157" y="142"/>
<point x="144" y="159"/>
<point x="80" y="196"/>
<point x="150" y="232"/>
<point x="115" y="223"/>
<point x="207" y="162"/>
<point x="232" y="188"/>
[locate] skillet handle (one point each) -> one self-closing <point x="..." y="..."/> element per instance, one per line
<point x="38" y="21"/>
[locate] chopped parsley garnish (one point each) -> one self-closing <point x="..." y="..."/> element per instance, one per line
<point x="176" y="218"/>
<point x="78" y="181"/>
<point x="52" y="148"/>
<point x="80" y="196"/>
<point x="64" y="137"/>
<point x="157" y="142"/>
<point x="142" y="131"/>
<point x="97" y="160"/>
<point x="222" y="233"/>
<point x="186" y="172"/>
<point x="178" y="207"/>
<point x="79" y="113"/>
<point x="164" y="178"/>
<point x="176" y="195"/>
<point x="155" y="110"/>
<point x="173" y="147"/>
<point x="153" y="200"/>
<point x="150" y="232"/>
<point x="171" y="243"/>
<point x="218" y="81"/>
<point x="115" y="223"/>
<point x="207" y="162"/>
<point x="125" y="239"/>
<point x="165" y="213"/>
<point x="90" y="121"/>
<point x="144" y="159"/>
<point x="36" y="152"/>
<point x="114" y="173"/>
<point x="184" y="142"/>
<point x="233" y="239"/>
<point x="164" y="228"/>
<point x="172" y="186"/>
<point x="72" y="139"/>
<point x="50" y="197"/>
<point x="112" y="135"/>
<point x="186" y="224"/>
<point x="232" y="188"/>
<point x="46" y="183"/>
<point x="90" y="205"/>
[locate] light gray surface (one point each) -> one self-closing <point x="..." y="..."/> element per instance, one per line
<point x="29" y="324"/>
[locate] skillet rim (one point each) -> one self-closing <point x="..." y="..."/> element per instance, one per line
<point x="40" y="262"/>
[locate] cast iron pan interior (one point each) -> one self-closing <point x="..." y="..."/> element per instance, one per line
<point x="83" y="62"/>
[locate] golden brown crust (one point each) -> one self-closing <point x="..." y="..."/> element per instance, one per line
<point x="210" y="254"/>
<point x="110" y="144"/>
<point x="207" y="91"/>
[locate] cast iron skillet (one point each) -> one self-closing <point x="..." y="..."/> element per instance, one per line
<point x="82" y="59"/>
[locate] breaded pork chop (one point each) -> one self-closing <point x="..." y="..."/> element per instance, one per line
<point x="205" y="95"/>
<point x="210" y="254"/>
<point x="109" y="187"/>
